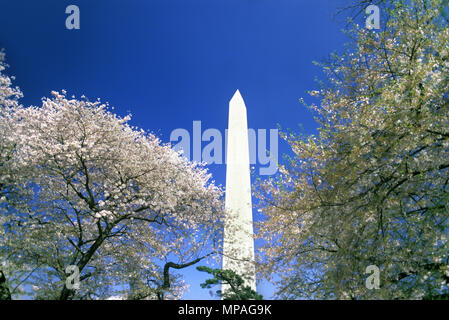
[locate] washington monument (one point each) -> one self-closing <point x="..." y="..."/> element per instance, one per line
<point x="238" y="244"/>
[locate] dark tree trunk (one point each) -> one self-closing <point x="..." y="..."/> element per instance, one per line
<point x="5" y="294"/>
<point x="66" y="293"/>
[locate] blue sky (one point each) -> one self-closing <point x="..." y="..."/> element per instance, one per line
<point x="170" y="62"/>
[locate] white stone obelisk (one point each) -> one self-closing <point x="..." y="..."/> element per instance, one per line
<point x="238" y="244"/>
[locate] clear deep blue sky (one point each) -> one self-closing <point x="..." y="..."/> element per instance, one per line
<point x="170" y="62"/>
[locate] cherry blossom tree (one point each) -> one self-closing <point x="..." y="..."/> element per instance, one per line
<point x="9" y="97"/>
<point x="109" y="199"/>
<point x="10" y="171"/>
<point x="372" y="187"/>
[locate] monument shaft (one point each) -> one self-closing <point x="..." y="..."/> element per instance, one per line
<point x="238" y="246"/>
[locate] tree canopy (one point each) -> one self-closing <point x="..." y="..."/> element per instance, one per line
<point x="372" y="187"/>
<point x="81" y="187"/>
<point x="237" y="288"/>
